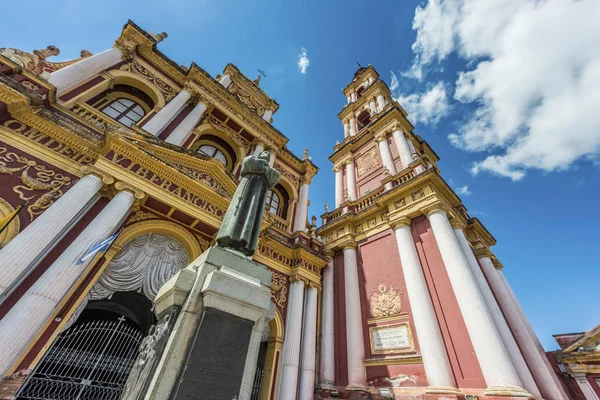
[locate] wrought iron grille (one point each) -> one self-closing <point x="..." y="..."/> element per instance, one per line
<point x="90" y="361"/>
<point x="258" y="377"/>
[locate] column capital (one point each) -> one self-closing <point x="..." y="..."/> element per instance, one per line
<point x="305" y="180"/>
<point x="127" y="48"/>
<point x="337" y="168"/>
<point x="349" y="245"/>
<point x="400" y="222"/>
<point x="497" y="264"/>
<point x="329" y="253"/>
<point x="482" y="252"/>
<point x="456" y="223"/>
<point x="436" y="207"/>
<point x="381" y="136"/>
<point x="299" y="278"/>
<point x="350" y="160"/>
<point x="90" y="169"/>
<point x="138" y="194"/>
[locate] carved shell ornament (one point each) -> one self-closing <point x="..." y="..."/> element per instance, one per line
<point x="385" y="303"/>
<point x="367" y="162"/>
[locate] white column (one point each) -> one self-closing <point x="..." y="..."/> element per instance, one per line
<point x="290" y="355"/>
<point x="538" y="363"/>
<point x="302" y="213"/>
<point x="403" y="148"/>
<point x="181" y="132"/>
<point x="435" y="358"/>
<point x="32" y="311"/>
<point x="349" y="99"/>
<point x="327" y="327"/>
<point x="259" y="148"/>
<point x="373" y="107"/>
<point x="350" y="180"/>
<point x="339" y="186"/>
<point x="225" y="80"/>
<point x="71" y="76"/>
<point x="381" y="102"/>
<point x="386" y="155"/>
<point x="346" y="129"/>
<point x="353" y="126"/>
<point x="496" y="366"/>
<point x="164" y="117"/>
<point x="588" y="392"/>
<point x="499" y="321"/>
<point x="306" y="388"/>
<point x="267" y="115"/>
<point x="357" y="375"/>
<point x="353" y="96"/>
<point x="21" y="255"/>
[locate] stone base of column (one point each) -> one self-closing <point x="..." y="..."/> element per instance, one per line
<point x="226" y="303"/>
<point x="442" y="390"/>
<point x="327" y="390"/>
<point x="507" y="391"/>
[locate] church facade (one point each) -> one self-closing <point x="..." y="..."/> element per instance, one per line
<point x="129" y="141"/>
<point x="397" y="294"/>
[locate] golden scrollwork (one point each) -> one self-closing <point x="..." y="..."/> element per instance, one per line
<point x="135" y="67"/>
<point x="385" y="303"/>
<point x="45" y="179"/>
<point x="368" y="161"/>
<point x="140" y="216"/>
<point x="279" y="289"/>
<point x="246" y="98"/>
<point x="235" y="136"/>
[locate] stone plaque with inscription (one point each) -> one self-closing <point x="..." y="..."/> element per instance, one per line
<point x="215" y="365"/>
<point x="390" y="339"/>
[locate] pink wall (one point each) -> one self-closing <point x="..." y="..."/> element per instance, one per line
<point x="341" y="364"/>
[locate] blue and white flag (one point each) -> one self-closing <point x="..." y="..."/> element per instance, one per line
<point x="97" y="248"/>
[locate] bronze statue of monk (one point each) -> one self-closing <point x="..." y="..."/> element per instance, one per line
<point x="242" y="221"/>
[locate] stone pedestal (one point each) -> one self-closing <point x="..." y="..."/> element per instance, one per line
<point x="212" y="349"/>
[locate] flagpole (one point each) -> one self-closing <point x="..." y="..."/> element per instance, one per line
<point x="13" y="217"/>
<point x="102" y="253"/>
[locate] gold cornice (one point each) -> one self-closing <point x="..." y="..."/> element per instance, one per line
<point x="482" y="252"/>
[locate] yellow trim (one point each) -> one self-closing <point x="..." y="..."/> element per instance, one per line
<point x="372" y="362"/>
<point x="388" y="319"/>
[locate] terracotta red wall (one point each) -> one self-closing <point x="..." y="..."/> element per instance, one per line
<point x="465" y="366"/>
<point x="341" y="364"/>
<point x="379" y="263"/>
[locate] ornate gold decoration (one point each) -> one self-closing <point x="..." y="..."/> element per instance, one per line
<point x="13" y="228"/>
<point x="30" y="85"/>
<point x="204" y="244"/>
<point x="139" y="194"/>
<point x="279" y="289"/>
<point x="418" y="194"/>
<point x="245" y="97"/>
<point x="384" y="303"/>
<point x="137" y="68"/>
<point x="367" y="162"/>
<point x="45" y="180"/>
<point x="141" y="216"/>
<point x="127" y="48"/>
<point x="220" y="126"/>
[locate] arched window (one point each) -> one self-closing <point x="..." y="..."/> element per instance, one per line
<point x="125" y="111"/>
<point x="360" y="91"/>
<point x="213" y="152"/>
<point x="273" y="203"/>
<point x="363" y="119"/>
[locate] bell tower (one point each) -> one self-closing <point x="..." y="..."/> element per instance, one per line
<point x="378" y="140"/>
<point x="412" y="304"/>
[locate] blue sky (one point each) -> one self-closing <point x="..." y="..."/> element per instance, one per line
<point x="538" y="182"/>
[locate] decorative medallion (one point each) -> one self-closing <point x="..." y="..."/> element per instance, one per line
<point x="279" y="289"/>
<point x="368" y="161"/>
<point x="384" y="303"/>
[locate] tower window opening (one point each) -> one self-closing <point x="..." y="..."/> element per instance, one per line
<point x="364" y="119"/>
<point x="360" y="91"/>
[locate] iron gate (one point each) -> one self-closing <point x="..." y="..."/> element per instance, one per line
<point x="258" y="377"/>
<point x="90" y="361"/>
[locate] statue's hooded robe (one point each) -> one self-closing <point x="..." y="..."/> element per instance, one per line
<point x="241" y="225"/>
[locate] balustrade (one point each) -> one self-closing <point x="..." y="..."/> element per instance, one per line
<point x="92" y="116"/>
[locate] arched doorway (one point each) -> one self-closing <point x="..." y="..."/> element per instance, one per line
<point x="92" y="359"/>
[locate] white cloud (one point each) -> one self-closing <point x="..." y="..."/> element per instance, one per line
<point x="463" y="190"/>
<point x="534" y="78"/>
<point x="394" y="84"/>
<point x="303" y="61"/>
<point x="427" y="107"/>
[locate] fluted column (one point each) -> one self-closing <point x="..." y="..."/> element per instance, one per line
<point x="538" y="364"/>
<point x="181" y="132"/>
<point x="302" y="213"/>
<point x="327" y="327"/>
<point x="258" y="148"/>
<point x="339" y="186"/>
<point x="403" y="148"/>
<point x="588" y="392"/>
<point x="350" y="180"/>
<point x="22" y="254"/>
<point x="373" y="107"/>
<point x="381" y="102"/>
<point x="357" y="375"/>
<point x="496" y="366"/>
<point x="435" y="358"/>
<point x="290" y="356"/>
<point x="164" y="117"/>
<point x="386" y="155"/>
<point x="507" y="338"/>
<point x="353" y="126"/>
<point x="73" y="75"/>
<point x="34" y="308"/>
<point x="306" y="388"/>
